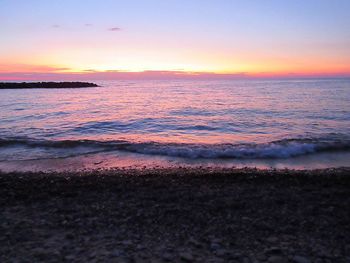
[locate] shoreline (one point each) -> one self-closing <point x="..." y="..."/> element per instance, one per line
<point x="184" y="170"/>
<point x="176" y="214"/>
<point x="127" y="160"/>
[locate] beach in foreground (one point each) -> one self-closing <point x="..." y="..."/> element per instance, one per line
<point x="175" y="215"/>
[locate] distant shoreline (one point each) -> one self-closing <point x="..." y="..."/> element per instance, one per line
<point x="46" y="85"/>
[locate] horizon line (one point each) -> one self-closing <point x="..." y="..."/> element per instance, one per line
<point x="161" y="74"/>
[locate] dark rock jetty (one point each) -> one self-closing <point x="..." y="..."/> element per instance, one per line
<point x="176" y="215"/>
<point x="45" y="85"/>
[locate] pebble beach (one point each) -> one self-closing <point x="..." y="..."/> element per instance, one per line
<point x="176" y="215"/>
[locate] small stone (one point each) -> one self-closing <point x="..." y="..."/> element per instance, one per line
<point x="40" y="252"/>
<point x="221" y="252"/>
<point x="273" y="251"/>
<point x="69" y="258"/>
<point x="125" y="260"/>
<point x="140" y="247"/>
<point x="194" y="243"/>
<point x="324" y="254"/>
<point x="272" y="239"/>
<point x="137" y="259"/>
<point x="186" y="256"/>
<point x="300" y="259"/>
<point x="215" y="246"/>
<point x="126" y="243"/>
<point x="234" y="255"/>
<point x="117" y="253"/>
<point x="261" y="257"/>
<point x="216" y="240"/>
<point x="347" y="248"/>
<point x="69" y="236"/>
<point x="277" y="259"/>
<point x="168" y="257"/>
<point x="92" y="255"/>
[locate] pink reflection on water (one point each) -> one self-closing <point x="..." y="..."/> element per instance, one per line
<point x="179" y="112"/>
<point x="183" y="112"/>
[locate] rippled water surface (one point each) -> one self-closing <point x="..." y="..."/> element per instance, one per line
<point x="188" y="119"/>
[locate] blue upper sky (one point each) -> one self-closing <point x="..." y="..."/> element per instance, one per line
<point x="193" y="35"/>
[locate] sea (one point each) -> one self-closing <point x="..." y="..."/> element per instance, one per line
<point x="294" y="124"/>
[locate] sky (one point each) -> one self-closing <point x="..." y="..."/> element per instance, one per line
<point x="68" y="39"/>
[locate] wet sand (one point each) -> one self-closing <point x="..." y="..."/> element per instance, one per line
<point x="174" y="215"/>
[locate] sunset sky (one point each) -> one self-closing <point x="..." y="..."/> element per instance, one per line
<point x="41" y="39"/>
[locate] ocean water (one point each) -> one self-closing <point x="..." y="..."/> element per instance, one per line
<point x="274" y="123"/>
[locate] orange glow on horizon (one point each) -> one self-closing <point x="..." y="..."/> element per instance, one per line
<point x="66" y="62"/>
<point x="62" y="58"/>
<point x="248" y="71"/>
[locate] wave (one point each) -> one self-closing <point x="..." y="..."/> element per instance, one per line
<point x="278" y="149"/>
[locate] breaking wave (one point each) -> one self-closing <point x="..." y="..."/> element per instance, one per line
<point x="279" y="149"/>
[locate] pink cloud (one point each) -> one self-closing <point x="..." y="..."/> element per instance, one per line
<point x="55" y="74"/>
<point x="30" y="68"/>
<point x="114" y="29"/>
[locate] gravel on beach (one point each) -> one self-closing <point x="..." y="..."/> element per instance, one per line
<point x="176" y="215"/>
